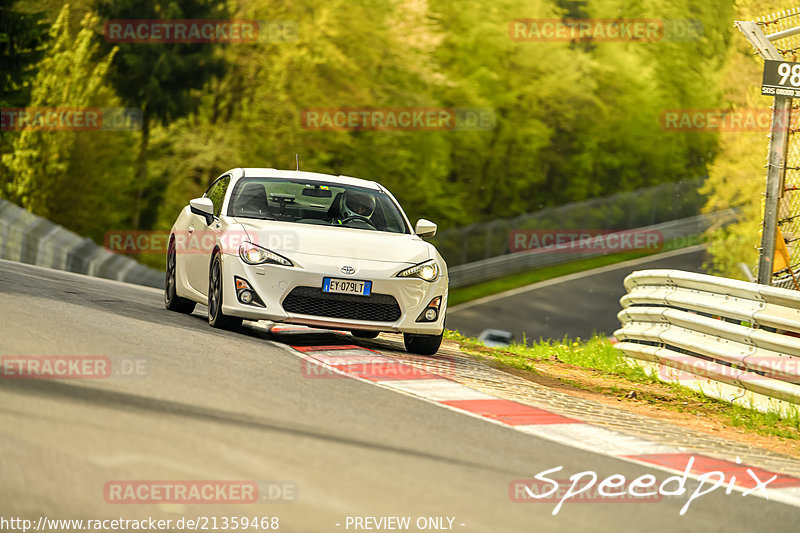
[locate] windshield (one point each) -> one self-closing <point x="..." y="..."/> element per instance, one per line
<point x="318" y="203"/>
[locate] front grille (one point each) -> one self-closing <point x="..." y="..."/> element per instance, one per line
<point x="312" y="301"/>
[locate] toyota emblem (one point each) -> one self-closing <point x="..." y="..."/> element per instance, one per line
<point x="347" y="269"/>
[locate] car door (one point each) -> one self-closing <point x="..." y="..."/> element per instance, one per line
<point x="202" y="237"/>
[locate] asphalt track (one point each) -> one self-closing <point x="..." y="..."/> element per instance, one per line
<point x="577" y="305"/>
<point x="217" y="405"/>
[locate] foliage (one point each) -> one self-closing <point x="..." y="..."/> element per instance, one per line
<point x="573" y="120"/>
<point x="606" y="371"/>
<point x="737" y="175"/>
<point x="161" y="79"/>
<point x="67" y="77"/>
<point x="22" y="37"/>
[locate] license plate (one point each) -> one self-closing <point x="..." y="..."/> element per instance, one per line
<point x="347" y="286"/>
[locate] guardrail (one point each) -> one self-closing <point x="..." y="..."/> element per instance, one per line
<point x="31" y="239"/>
<point x="701" y="328"/>
<point x="627" y="210"/>
<point x="503" y="265"/>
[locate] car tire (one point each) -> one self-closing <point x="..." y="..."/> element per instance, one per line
<point x="172" y="301"/>
<point x="364" y="334"/>
<point x="422" y="344"/>
<point x="216" y="318"/>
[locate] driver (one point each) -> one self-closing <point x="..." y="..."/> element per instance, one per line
<point x="356" y="204"/>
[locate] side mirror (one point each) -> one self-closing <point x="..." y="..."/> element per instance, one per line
<point x="203" y="207"/>
<point x="425" y="228"/>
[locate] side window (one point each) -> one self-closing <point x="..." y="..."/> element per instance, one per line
<point x="216" y="193"/>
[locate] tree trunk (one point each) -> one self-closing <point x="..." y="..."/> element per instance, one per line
<point x="141" y="170"/>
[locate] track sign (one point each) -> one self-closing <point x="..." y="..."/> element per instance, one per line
<point x="781" y="78"/>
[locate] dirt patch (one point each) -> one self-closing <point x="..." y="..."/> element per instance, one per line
<point x="658" y="401"/>
<point x="655" y="400"/>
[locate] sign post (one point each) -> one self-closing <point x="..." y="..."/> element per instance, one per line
<point x="783" y="81"/>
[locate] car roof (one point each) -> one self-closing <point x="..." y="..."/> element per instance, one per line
<point x="310" y="176"/>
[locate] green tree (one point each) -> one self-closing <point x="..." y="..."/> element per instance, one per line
<point x="573" y="120"/>
<point x="66" y="77"/>
<point x="163" y="79"/>
<point x="737" y="176"/>
<point x="343" y="54"/>
<point x="22" y="40"/>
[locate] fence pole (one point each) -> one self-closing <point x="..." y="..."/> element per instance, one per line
<point x="776" y="167"/>
<point x="776" y="172"/>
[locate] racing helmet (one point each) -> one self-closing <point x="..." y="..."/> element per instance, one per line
<point x="357" y="203"/>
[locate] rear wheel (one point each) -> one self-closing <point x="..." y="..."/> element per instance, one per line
<point x="216" y="318"/>
<point x="422" y="344"/>
<point x="364" y="334"/>
<point x="172" y="301"/>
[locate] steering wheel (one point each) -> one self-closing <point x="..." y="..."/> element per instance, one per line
<point x="365" y="220"/>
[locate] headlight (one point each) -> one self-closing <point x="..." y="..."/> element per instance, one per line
<point x="429" y="271"/>
<point x="256" y="255"/>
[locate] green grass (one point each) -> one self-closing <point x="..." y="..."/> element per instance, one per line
<point x="521" y="279"/>
<point x="598" y="354"/>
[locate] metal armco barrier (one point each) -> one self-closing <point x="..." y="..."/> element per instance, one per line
<point x="31" y="239"/>
<point x="672" y="200"/>
<point x="503" y="265"/>
<point x="700" y="327"/>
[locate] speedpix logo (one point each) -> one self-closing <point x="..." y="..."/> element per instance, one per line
<point x="589" y="487"/>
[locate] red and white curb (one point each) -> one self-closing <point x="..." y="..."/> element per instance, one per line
<point x="383" y="370"/>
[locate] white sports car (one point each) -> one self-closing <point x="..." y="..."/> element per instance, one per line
<point x="305" y="248"/>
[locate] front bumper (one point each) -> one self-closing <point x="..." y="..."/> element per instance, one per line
<point x="272" y="283"/>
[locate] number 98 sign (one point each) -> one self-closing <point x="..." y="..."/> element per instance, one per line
<point x="781" y="78"/>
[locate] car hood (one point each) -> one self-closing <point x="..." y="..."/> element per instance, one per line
<point x="333" y="241"/>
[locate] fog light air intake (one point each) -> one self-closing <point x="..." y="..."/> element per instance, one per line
<point x="431" y="311"/>
<point x="245" y="294"/>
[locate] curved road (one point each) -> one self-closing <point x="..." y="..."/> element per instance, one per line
<point x="577" y="305"/>
<point x="210" y="405"/>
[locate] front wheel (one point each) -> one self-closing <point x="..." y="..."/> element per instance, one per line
<point x="422" y="344"/>
<point x="172" y="301"/>
<point x="216" y="318"/>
